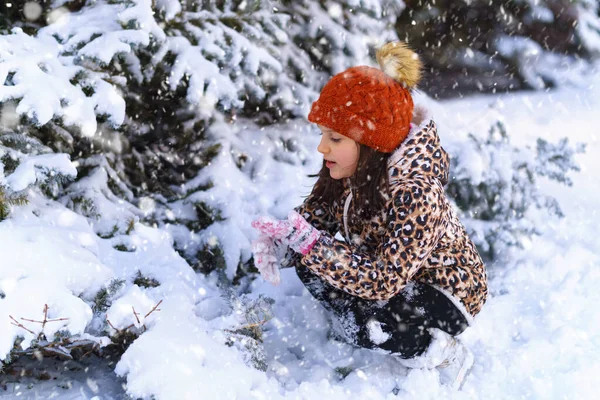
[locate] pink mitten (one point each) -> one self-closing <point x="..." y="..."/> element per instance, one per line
<point x="265" y="259"/>
<point x="294" y="232"/>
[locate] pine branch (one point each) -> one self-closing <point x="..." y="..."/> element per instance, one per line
<point x="256" y="313"/>
<point x="61" y="348"/>
<point x="18" y="200"/>
<point x="130" y="226"/>
<point x="7" y="200"/>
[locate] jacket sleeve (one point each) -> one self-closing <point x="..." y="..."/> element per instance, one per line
<point x="319" y="215"/>
<point x="414" y="226"/>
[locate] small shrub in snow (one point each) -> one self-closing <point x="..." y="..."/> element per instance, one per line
<point x="251" y="349"/>
<point x="63" y="345"/>
<point x="122" y="247"/>
<point x="496" y="186"/>
<point x="252" y="314"/>
<point x="124" y="336"/>
<point x="146" y="282"/>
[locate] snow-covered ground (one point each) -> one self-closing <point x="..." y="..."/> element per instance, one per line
<point x="538" y="337"/>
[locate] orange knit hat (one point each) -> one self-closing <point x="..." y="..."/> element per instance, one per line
<point x="371" y="106"/>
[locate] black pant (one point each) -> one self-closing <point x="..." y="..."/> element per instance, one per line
<point x="403" y="319"/>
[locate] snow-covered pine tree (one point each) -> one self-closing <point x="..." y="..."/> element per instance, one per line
<point x="251" y="314"/>
<point x="300" y="34"/>
<point x="145" y="96"/>
<point x="157" y="93"/>
<point x="498" y="45"/>
<point x="157" y="102"/>
<point x="153" y="100"/>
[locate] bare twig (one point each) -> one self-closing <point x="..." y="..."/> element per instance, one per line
<point x="136" y="315"/>
<point x="32" y="320"/>
<point x="111" y="325"/>
<point x="45" y="318"/>
<point x="16" y="323"/>
<point x="89" y="352"/>
<point x="155" y="308"/>
<point x="41" y="322"/>
<point x="119" y="331"/>
<point x="261" y="323"/>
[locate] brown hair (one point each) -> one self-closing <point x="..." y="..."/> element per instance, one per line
<point x="369" y="184"/>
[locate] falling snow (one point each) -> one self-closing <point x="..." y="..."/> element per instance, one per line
<point x="112" y="214"/>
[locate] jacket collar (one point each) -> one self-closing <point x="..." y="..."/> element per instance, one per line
<point x="420" y="152"/>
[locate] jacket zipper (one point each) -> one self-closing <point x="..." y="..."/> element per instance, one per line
<point x="346" y="208"/>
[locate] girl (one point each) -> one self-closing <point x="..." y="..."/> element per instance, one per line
<point x="406" y="279"/>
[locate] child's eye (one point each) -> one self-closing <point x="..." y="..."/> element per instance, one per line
<point x="336" y="140"/>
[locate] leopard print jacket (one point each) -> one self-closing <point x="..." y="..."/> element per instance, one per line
<point x="417" y="237"/>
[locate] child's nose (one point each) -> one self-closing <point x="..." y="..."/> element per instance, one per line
<point x="322" y="147"/>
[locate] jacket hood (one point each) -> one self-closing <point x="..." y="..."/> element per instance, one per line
<point x="421" y="153"/>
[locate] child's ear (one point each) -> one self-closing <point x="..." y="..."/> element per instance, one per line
<point x="420" y="114"/>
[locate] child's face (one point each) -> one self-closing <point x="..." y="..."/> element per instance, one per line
<point x="340" y="152"/>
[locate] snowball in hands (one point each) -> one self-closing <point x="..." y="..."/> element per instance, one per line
<point x="265" y="259"/>
<point x="294" y="232"/>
